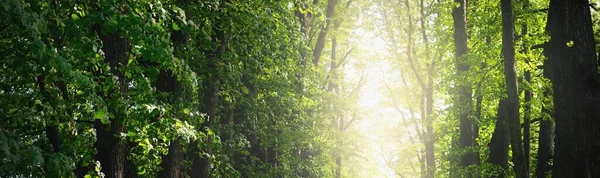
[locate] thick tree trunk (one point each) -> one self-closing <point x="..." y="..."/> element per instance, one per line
<point x="499" y="143"/>
<point x="573" y="69"/>
<point x="201" y="163"/>
<point x="166" y="82"/>
<point x="546" y="142"/>
<point x="171" y="163"/>
<point x="111" y="150"/>
<point x="510" y="74"/>
<point x="463" y="106"/>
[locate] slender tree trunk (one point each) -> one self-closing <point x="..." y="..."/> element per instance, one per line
<point x="573" y="69"/>
<point x="463" y="106"/>
<point x="499" y="143"/>
<point x="429" y="137"/>
<point x="528" y="96"/>
<point x="546" y="141"/>
<point x="428" y="89"/>
<point x="527" y="122"/>
<point x="318" y="50"/>
<point x="334" y="88"/>
<point x="510" y="74"/>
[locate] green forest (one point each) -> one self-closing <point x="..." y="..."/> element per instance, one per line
<point x="299" y="88"/>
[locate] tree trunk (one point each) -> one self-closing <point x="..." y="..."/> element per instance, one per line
<point x="546" y="141"/>
<point x="111" y="150"/>
<point x="499" y="143"/>
<point x="527" y="122"/>
<point x="429" y="137"/>
<point x="201" y="163"/>
<point x="528" y="96"/>
<point x="463" y="106"/>
<point x="573" y="70"/>
<point x="330" y="12"/>
<point x="171" y="163"/>
<point x="508" y="51"/>
<point x="166" y="82"/>
<point x="428" y="90"/>
<point x="209" y="89"/>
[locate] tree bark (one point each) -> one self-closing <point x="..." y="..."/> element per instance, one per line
<point x="573" y="70"/>
<point x="318" y="50"/>
<point x="546" y="141"/>
<point x="527" y="122"/>
<point x="111" y="149"/>
<point x="463" y="106"/>
<point x="499" y="143"/>
<point x="528" y="96"/>
<point x="508" y="52"/>
<point x="201" y="163"/>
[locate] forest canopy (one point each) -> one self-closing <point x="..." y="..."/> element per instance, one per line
<point x="299" y="88"/>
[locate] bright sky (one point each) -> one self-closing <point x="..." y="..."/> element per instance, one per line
<point x="380" y="144"/>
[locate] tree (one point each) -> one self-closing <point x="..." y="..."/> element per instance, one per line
<point x="546" y="140"/>
<point x="499" y="143"/>
<point x="464" y="100"/>
<point x="572" y="68"/>
<point x="508" y="52"/>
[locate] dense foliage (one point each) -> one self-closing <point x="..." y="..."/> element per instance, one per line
<point x="114" y="88"/>
<point x="299" y="88"/>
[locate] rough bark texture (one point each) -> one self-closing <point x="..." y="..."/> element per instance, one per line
<point x="546" y="143"/>
<point x="464" y="111"/>
<point x="573" y="69"/>
<point x="508" y="52"/>
<point x="171" y="163"/>
<point x="499" y="143"/>
<point x="111" y="149"/>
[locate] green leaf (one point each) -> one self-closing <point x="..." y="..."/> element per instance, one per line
<point x="570" y="43"/>
<point x="101" y="114"/>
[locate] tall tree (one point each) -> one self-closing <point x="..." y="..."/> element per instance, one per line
<point x="500" y="140"/>
<point x="508" y="52"/>
<point x="572" y="67"/>
<point x="167" y="82"/>
<point x="545" y="153"/>
<point x="463" y="105"/>
<point x="111" y="149"/>
<point x="527" y="110"/>
<point x="318" y="50"/>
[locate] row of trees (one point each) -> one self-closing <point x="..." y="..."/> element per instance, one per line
<point x="484" y="107"/>
<point x="227" y="88"/>
<point x="184" y="88"/>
